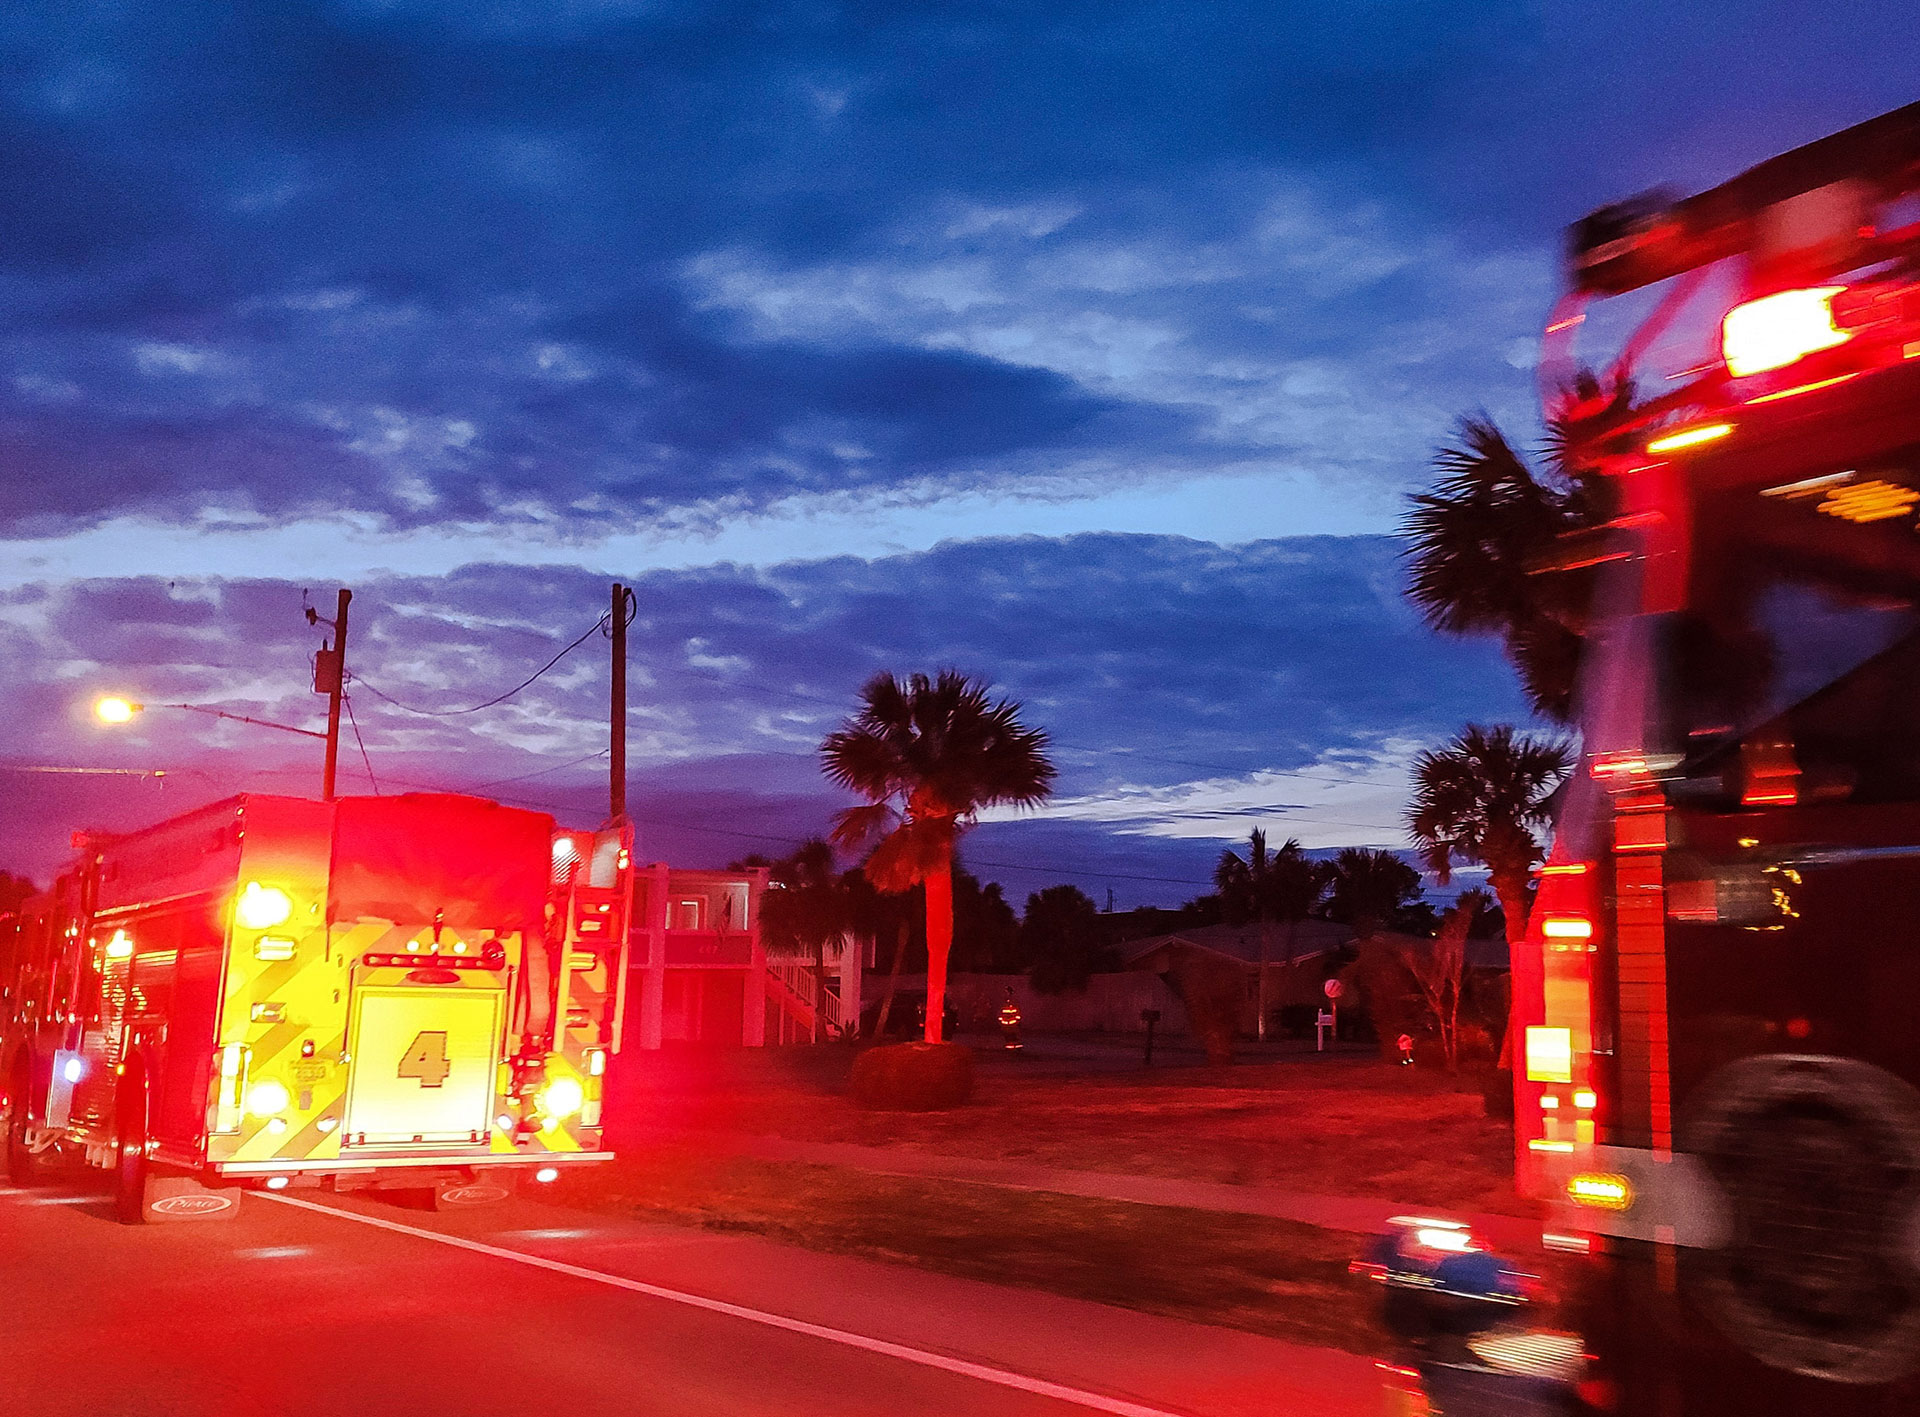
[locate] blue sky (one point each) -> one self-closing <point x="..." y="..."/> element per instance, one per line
<point x="1086" y="347"/>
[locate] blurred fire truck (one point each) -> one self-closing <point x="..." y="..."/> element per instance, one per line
<point x="1719" y="1085"/>
<point x="414" y="992"/>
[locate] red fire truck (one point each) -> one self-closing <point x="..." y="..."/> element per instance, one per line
<point x="418" y="991"/>
<point x="1720" y="1086"/>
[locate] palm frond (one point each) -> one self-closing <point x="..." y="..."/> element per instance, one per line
<point x="911" y="853"/>
<point x="858" y="827"/>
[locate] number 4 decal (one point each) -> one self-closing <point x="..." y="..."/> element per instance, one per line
<point x="426" y="1058"/>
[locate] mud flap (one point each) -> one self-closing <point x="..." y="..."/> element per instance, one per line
<point x="466" y="1195"/>
<point x="171" y="1198"/>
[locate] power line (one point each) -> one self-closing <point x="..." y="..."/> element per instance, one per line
<point x="354" y="724"/>
<point x="89" y="772"/>
<point x="542" y="772"/>
<point x="498" y="698"/>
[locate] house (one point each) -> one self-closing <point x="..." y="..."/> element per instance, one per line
<point x="699" y="971"/>
<point x="1299" y="958"/>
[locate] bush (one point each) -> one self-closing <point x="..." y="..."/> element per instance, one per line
<point x="1475" y="1046"/>
<point x="1496" y="1092"/>
<point x="1429" y="1054"/>
<point x="913" y="1077"/>
<point x="1212" y="989"/>
<point x="1387" y="993"/>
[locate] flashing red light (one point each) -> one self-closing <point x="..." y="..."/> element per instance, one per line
<point x="1780" y="329"/>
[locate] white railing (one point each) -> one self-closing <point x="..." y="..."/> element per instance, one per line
<point x="796" y="976"/>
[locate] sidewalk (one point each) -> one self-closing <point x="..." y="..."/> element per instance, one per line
<point x="1515" y="1234"/>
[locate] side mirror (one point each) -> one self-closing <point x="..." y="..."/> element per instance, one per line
<point x="1439" y="1281"/>
<point x="1455" y="1306"/>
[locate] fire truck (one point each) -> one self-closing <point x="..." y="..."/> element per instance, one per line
<point x="415" y="992"/>
<point x="1719" y="1083"/>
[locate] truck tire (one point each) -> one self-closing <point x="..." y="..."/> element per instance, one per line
<point x="130" y="1152"/>
<point x="24" y="1168"/>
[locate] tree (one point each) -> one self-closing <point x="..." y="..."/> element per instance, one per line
<point x="986" y="932"/>
<point x="1061" y="931"/>
<point x="15" y="891"/>
<point x="807" y="908"/>
<point x="875" y="915"/>
<point x="1263" y="888"/>
<point x="1479" y="799"/>
<point x="928" y="754"/>
<point x="1439" y="970"/>
<point x="1368" y="889"/>
<point x="1477" y="540"/>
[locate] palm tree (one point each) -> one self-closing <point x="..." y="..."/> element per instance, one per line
<point x="1480" y="798"/>
<point x="1366" y="888"/>
<point x="807" y="909"/>
<point x="928" y="754"/>
<point x="1268" y="888"/>
<point x="1476" y="543"/>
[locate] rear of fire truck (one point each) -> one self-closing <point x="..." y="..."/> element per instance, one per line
<point x="1718" y="1091"/>
<point x="412" y="992"/>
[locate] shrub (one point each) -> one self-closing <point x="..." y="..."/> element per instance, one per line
<point x="1496" y="1092"/>
<point x="913" y="1077"/>
<point x="1476" y="1046"/>
<point x="1213" y="990"/>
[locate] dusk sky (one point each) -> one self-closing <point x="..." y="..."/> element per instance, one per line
<point x="1088" y="348"/>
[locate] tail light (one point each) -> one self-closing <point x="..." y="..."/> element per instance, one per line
<point x="231" y="1084"/>
<point x="1777" y="330"/>
<point x="261" y="907"/>
<point x="1549" y="1054"/>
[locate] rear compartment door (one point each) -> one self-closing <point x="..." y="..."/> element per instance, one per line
<point x="424" y="1059"/>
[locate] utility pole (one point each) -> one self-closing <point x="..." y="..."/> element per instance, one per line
<point x="330" y="678"/>
<point x="617" y="708"/>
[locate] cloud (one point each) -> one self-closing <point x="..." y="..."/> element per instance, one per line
<point x="1191" y="690"/>
<point x="685" y="260"/>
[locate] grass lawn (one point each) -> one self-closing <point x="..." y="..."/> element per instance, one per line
<point x="1338" y="1126"/>
<point x="1268" y="1276"/>
<point x="1329" y="1126"/>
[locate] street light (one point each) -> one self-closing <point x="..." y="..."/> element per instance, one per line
<point x="116" y="710"/>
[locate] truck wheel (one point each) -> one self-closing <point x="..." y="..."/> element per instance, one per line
<point x="130" y="1165"/>
<point x="23" y="1167"/>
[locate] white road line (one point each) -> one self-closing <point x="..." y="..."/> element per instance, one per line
<point x="1000" y="1376"/>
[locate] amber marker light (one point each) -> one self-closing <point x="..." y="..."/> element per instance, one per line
<point x="1600" y="1190"/>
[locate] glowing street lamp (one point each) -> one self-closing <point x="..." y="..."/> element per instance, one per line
<point x="115" y="710"/>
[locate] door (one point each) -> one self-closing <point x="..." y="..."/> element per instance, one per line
<point x="423" y="1064"/>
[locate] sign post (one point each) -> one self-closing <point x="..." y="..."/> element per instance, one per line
<point x="1328" y="1020"/>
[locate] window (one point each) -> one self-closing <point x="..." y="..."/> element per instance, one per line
<point x="687" y="914"/>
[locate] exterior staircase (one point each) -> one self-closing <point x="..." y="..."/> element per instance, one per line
<point x="806" y="1012"/>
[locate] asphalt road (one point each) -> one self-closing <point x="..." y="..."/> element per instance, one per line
<point x="312" y="1304"/>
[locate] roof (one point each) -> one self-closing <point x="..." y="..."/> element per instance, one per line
<point x="1286" y="943"/>
<point x="1311" y="939"/>
<point x="1488" y="953"/>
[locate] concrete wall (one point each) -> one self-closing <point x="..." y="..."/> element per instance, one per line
<point x="1112" y="1003"/>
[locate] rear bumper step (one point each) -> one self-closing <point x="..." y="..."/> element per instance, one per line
<point x="425" y="1162"/>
